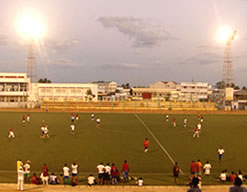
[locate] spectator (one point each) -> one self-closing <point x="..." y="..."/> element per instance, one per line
<point x="199" y="167"/>
<point x="107" y="175"/>
<point x="74" y="168"/>
<point x="240" y="175"/>
<point x="232" y="177"/>
<point x="222" y="176"/>
<point x="176" y="172"/>
<point x="91" y="180"/>
<point x="195" y="187"/>
<point x="66" y="180"/>
<point x="45" y="175"/>
<point x="125" y="169"/>
<point x="207" y="168"/>
<point x="60" y="179"/>
<point x="20" y="184"/>
<point x="237" y="186"/>
<point x="140" y="182"/>
<point x="193" y="167"/>
<point x="101" y="171"/>
<point x="114" y="174"/>
<point x="35" y="179"/>
<point x="53" y="179"/>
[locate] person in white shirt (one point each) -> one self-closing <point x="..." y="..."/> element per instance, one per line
<point x="223" y="176"/>
<point x="199" y="125"/>
<point x="27" y="168"/>
<point x="74" y="168"/>
<point x="46" y="130"/>
<point x="140" y="182"/>
<point x="42" y="132"/>
<point x="185" y="122"/>
<point x="220" y="152"/>
<point x="107" y="174"/>
<point x="92" y="116"/>
<point x="98" y="122"/>
<point x="207" y="168"/>
<point x="65" y="174"/>
<point x="101" y="171"/>
<point x="11" y="133"/>
<point x="20" y="184"/>
<point x="91" y="180"/>
<point x="167" y="118"/>
<point x="72" y="126"/>
<point x="53" y="179"/>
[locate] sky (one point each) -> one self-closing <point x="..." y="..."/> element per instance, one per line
<point x="128" y="41"/>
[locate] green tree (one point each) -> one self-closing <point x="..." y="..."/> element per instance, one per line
<point x="45" y="80"/>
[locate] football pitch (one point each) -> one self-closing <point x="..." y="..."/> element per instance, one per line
<point x="121" y="137"/>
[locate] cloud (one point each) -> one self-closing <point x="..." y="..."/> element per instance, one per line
<point x="143" y="33"/>
<point x="4" y="40"/>
<point x="61" y="45"/>
<point x="121" y="66"/>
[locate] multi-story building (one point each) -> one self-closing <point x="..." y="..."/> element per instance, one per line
<point x="194" y="91"/>
<point x="14" y="88"/>
<point x="164" y="85"/>
<point x="106" y="87"/>
<point x="67" y="91"/>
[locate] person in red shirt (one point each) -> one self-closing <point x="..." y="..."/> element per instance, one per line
<point x="198" y="167"/>
<point x="23" y="120"/>
<point x="125" y="169"/>
<point x="193" y="167"/>
<point x="114" y="174"/>
<point x="146" y="145"/>
<point x="232" y="177"/>
<point x="198" y="116"/>
<point x="28" y="117"/>
<point x="196" y="133"/>
<point x="174" y="122"/>
<point x="45" y="174"/>
<point x="11" y="133"/>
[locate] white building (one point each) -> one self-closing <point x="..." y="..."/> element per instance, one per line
<point x="164" y="85"/>
<point x="16" y="90"/>
<point x="194" y="91"/>
<point x="13" y="89"/>
<point x="67" y="91"/>
<point x="106" y="87"/>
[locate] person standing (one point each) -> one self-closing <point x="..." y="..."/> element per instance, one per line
<point x="176" y="172"/>
<point x="167" y="118"/>
<point x="199" y="167"/>
<point x="107" y="174"/>
<point x="74" y="168"/>
<point x="101" y="171"/>
<point x="221" y="151"/>
<point x="92" y="116"/>
<point x="196" y="133"/>
<point x="20" y="183"/>
<point x="174" y="122"/>
<point x="207" y="168"/>
<point x="185" y="122"/>
<point x="125" y="169"/>
<point x="45" y="174"/>
<point x="146" y="145"/>
<point x="193" y="166"/>
<point x="114" y="174"/>
<point x="11" y="133"/>
<point x="28" y="117"/>
<point x="98" y="122"/>
<point x="27" y="168"/>
<point x="65" y="174"/>
<point x="19" y="164"/>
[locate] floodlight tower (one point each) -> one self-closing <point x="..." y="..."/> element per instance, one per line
<point x="31" y="62"/>
<point x="228" y="76"/>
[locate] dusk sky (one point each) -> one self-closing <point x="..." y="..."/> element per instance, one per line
<point x="135" y="41"/>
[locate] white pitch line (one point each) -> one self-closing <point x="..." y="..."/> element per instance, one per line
<point x="163" y="149"/>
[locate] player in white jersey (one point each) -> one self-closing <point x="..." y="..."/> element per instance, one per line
<point x="92" y="116"/>
<point x="185" y="122"/>
<point x="46" y="130"/>
<point x="107" y="175"/>
<point x="221" y="151"/>
<point x="101" y="171"/>
<point x="42" y="132"/>
<point x="74" y="168"/>
<point x="199" y="125"/>
<point x="11" y="133"/>
<point x="98" y="122"/>
<point x="167" y="118"/>
<point x="72" y="126"/>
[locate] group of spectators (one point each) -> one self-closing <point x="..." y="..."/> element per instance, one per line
<point x="224" y="176"/>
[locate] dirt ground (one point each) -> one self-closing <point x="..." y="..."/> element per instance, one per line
<point x="84" y="188"/>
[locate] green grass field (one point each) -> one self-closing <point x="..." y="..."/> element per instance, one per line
<point x="120" y="137"/>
